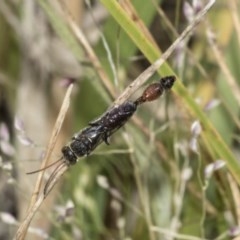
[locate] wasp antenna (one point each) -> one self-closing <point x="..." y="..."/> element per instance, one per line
<point x="53" y="178"/>
<point x="42" y="169"/>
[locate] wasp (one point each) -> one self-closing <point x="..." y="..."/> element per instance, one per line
<point x="85" y="141"/>
<point x="99" y="130"/>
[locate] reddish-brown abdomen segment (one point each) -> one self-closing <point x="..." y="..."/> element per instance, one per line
<point x="152" y="92"/>
<point x="155" y="90"/>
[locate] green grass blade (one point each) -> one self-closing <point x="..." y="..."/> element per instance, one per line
<point x="210" y="134"/>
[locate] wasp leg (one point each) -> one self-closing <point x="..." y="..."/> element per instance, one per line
<point x="106" y="138"/>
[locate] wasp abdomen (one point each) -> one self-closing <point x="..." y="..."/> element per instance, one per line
<point x="115" y="116"/>
<point x="155" y="90"/>
<point x="119" y="115"/>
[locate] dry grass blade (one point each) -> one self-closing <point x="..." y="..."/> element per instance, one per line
<point x="50" y="184"/>
<point x="168" y="233"/>
<point x="22" y="230"/>
<point x="92" y="56"/>
<point x="223" y="65"/>
<point x="236" y="196"/>
<point x="233" y="4"/>
<point x="52" y="142"/>
<point x="37" y="199"/>
<point x="142" y="78"/>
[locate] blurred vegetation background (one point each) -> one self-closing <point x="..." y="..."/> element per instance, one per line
<point x="167" y="174"/>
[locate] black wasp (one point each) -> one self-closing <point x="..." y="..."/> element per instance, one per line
<point x="99" y="130"/>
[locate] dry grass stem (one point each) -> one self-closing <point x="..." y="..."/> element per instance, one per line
<point x="225" y="69"/>
<point x="22" y="230"/>
<point x="172" y="29"/>
<point x="11" y="18"/>
<point x="233" y="4"/>
<point x="92" y="56"/>
<point x="166" y="232"/>
<point x="142" y="78"/>
<point x="236" y="196"/>
<point x="130" y="9"/>
<point x="37" y="199"/>
<point x="53" y="139"/>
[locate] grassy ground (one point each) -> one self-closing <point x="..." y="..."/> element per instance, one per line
<point x="172" y="172"/>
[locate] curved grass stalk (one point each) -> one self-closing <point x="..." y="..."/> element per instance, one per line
<point x="210" y="135"/>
